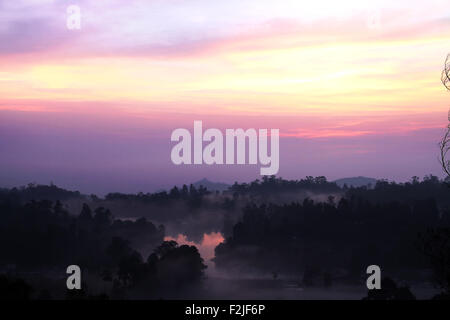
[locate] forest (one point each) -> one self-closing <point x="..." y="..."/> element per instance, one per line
<point x="308" y="232"/>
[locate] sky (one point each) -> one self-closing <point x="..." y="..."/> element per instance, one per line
<point x="353" y="87"/>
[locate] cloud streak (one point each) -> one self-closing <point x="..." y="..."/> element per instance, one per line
<point x="335" y="86"/>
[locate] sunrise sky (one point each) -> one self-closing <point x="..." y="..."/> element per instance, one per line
<point x="353" y="87"/>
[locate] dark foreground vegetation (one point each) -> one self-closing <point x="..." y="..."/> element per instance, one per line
<point x="310" y="231"/>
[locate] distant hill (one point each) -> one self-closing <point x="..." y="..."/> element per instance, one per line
<point x="211" y="186"/>
<point x="356" y="182"/>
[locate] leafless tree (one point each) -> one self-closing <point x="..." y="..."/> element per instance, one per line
<point x="446" y="73"/>
<point x="435" y="243"/>
<point x="445" y="143"/>
<point x="445" y="147"/>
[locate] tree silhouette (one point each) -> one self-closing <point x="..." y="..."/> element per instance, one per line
<point x="445" y="142"/>
<point x="390" y="291"/>
<point x="435" y="244"/>
<point x="436" y="241"/>
<point x="445" y="147"/>
<point x="446" y="73"/>
<point x="271" y="229"/>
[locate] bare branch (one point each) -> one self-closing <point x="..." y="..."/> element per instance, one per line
<point x="445" y="77"/>
<point x="444" y="145"/>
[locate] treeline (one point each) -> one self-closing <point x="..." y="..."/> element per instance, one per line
<point x="191" y="195"/>
<point x="266" y="188"/>
<point x="338" y="239"/>
<point x="311" y="228"/>
<point x="35" y="191"/>
<point x="42" y="234"/>
<point x="41" y="237"/>
<point x="408" y="192"/>
<point x="270" y="185"/>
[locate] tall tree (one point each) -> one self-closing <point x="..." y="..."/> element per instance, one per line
<point x="445" y="142"/>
